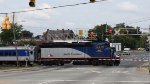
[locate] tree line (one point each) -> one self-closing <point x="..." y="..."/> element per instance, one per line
<point x="128" y="36"/>
<point x="7" y="36"/>
<point x="102" y="32"/>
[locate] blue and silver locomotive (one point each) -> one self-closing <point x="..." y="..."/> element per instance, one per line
<point x="91" y="52"/>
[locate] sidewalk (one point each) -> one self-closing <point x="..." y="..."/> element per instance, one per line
<point x="8" y="69"/>
<point x="144" y="67"/>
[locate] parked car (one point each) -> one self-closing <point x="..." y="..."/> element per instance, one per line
<point x="141" y="49"/>
<point x="125" y="52"/>
<point x="147" y="49"/>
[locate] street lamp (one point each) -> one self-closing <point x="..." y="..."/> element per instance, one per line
<point x="149" y="50"/>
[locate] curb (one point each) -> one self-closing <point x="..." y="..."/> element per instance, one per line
<point x="19" y="69"/>
<point x="143" y="68"/>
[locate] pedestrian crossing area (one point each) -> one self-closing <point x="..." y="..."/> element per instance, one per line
<point x="145" y="59"/>
<point x="137" y="59"/>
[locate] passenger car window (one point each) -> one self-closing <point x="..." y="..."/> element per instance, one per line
<point x="1" y="54"/>
<point x="14" y="54"/>
<point x="6" y="54"/>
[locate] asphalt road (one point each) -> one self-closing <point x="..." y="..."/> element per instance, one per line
<point x="126" y="73"/>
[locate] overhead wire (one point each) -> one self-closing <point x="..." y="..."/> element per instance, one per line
<point x="55" y="7"/>
<point x="62" y="6"/>
<point x="70" y="5"/>
<point x="139" y="21"/>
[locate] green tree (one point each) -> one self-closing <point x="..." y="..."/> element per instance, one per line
<point x="101" y="31"/>
<point x="131" y="41"/>
<point x="142" y="41"/>
<point x="30" y="42"/>
<point x="7" y="36"/>
<point x="27" y="34"/>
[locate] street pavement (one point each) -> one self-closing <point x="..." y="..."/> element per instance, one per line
<point x="127" y="73"/>
<point x="137" y="56"/>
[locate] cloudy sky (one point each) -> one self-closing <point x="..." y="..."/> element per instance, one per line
<point x="77" y="17"/>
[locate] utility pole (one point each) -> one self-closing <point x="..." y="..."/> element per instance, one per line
<point x="149" y="48"/>
<point x="14" y="32"/>
<point x="102" y="34"/>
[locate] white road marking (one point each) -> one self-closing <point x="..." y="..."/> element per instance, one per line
<point x="96" y="71"/>
<point x="120" y="71"/>
<point x="101" y="81"/>
<point x="92" y="81"/>
<point x="72" y="69"/>
<point x="136" y="59"/>
<point x="145" y="60"/>
<point x="125" y="71"/>
<point x="79" y="68"/>
<point x="45" y="82"/>
<point x="15" y="72"/>
<point x="115" y="71"/>
<point x="64" y="70"/>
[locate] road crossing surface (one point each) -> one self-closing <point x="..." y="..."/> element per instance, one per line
<point x="127" y="73"/>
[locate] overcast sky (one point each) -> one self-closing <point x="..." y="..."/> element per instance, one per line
<point x="77" y="17"/>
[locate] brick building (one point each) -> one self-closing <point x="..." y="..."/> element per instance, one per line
<point x="51" y="35"/>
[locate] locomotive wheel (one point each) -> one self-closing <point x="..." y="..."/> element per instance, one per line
<point x="110" y="63"/>
<point x="61" y="63"/>
<point x="116" y="63"/>
<point x="95" y="62"/>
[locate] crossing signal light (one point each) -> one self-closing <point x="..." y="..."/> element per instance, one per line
<point x="92" y="1"/>
<point x="32" y="3"/>
<point x="92" y="35"/>
<point x="109" y="31"/>
<point x="81" y="32"/>
<point x="6" y="23"/>
<point x="4" y="26"/>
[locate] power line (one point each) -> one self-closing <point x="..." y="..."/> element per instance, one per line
<point x="135" y="21"/>
<point x="55" y="7"/>
<point x="62" y="6"/>
<point x="139" y="21"/>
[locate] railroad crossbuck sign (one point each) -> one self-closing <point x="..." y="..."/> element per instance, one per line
<point x="117" y="32"/>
